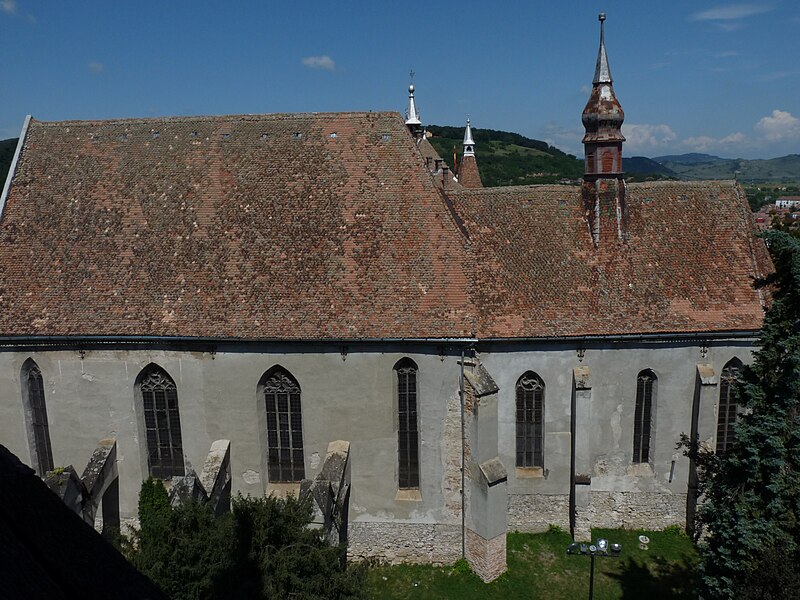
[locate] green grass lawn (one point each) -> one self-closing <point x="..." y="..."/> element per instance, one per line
<point x="539" y="567"/>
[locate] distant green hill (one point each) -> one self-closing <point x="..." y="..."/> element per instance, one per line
<point x="7" y="148"/>
<point x="641" y="165"/>
<point x="506" y="158"/>
<point x="706" y="166"/>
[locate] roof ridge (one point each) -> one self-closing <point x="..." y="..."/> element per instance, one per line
<point x="212" y="118"/>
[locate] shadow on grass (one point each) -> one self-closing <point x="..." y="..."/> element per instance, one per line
<point x="656" y="579"/>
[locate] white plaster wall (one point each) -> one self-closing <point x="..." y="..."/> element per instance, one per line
<point x="91" y="398"/>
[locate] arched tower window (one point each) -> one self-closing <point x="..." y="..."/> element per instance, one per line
<point x="162" y="422"/>
<point x="643" y="414"/>
<point x="726" y="416"/>
<point x="407" y="429"/>
<point x="530" y="421"/>
<point x="285" y="462"/>
<point x="36" y="417"/>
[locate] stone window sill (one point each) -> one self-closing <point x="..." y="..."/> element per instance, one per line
<point x="530" y="473"/>
<point x="640" y="470"/>
<point x="409" y="495"/>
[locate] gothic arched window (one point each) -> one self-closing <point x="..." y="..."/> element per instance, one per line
<point x="530" y="421"/>
<point x="726" y="416"/>
<point x="284" y="427"/>
<point x="642" y="415"/>
<point x="407" y="430"/>
<point x="36" y="416"/>
<point x="162" y="422"/>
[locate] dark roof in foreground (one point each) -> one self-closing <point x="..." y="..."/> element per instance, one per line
<point x="330" y="226"/>
<point x="48" y="552"/>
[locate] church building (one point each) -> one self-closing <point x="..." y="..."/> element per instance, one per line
<point x="498" y="359"/>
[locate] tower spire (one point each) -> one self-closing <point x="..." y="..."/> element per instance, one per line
<point x="603" y="190"/>
<point x="412" y="114"/>
<point x="602" y="72"/>
<point x="602" y="118"/>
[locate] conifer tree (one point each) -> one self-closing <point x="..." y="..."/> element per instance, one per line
<point x="750" y="505"/>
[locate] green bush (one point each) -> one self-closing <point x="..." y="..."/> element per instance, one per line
<point x="263" y="549"/>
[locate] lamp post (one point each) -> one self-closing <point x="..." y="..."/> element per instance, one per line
<point x="602" y="549"/>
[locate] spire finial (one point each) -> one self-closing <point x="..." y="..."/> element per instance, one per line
<point x="602" y="73"/>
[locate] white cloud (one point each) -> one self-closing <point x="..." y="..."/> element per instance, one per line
<point x="706" y="143"/>
<point x="731" y="12"/>
<point x="324" y="62"/>
<point x="730" y="17"/>
<point x="644" y="137"/>
<point x="778" y="127"/>
<point x="734" y="138"/>
<point x="566" y="139"/>
<point x="96" y="67"/>
<point x="8" y="6"/>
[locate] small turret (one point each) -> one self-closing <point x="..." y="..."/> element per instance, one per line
<point x="468" y="175"/>
<point x="469" y="143"/>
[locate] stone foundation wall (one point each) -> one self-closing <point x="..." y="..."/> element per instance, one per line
<point x="630" y="510"/>
<point x="634" y="510"/>
<point x="536" y="512"/>
<point x="404" y="542"/>
<point x="486" y="557"/>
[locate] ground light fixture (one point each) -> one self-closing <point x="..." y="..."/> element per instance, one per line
<point x="601" y="548"/>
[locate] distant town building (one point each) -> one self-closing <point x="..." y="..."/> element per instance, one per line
<point x="788" y="202"/>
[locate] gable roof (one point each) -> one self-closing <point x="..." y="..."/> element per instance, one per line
<point x="330" y="226"/>
<point x="688" y="263"/>
<point x="272" y="226"/>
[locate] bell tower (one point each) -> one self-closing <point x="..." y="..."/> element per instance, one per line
<point x="602" y="118"/>
<point x="603" y="188"/>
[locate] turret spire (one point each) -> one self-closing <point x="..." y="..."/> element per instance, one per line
<point x="412" y="114"/>
<point x="469" y="143"/>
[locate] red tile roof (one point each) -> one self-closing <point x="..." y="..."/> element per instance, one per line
<point x="468" y="175"/>
<point x="276" y="226"/>
<point x="688" y="262"/>
<point x="329" y="226"/>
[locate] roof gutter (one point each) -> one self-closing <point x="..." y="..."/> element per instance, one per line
<point x="13" y="168"/>
<point x="6" y="341"/>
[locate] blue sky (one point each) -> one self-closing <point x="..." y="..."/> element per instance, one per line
<point x="692" y="76"/>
